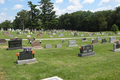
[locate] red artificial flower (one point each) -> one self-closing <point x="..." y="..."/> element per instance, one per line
<point x="80" y="47"/>
<point x="17" y="54"/>
<point x="33" y="52"/>
<point x="27" y="38"/>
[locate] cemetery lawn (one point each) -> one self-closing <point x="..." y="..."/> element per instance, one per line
<point x="62" y="62"/>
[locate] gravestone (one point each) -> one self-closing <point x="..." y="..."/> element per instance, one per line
<point x="31" y="40"/>
<point x="48" y="46"/>
<point x="58" y="46"/>
<point x="26" y="57"/>
<point x="59" y="35"/>
<point x="3" y="41"/>
<point x="104" y="41"/>
<point x="11" y="36"/>
<point x="86" y="50"/>
<point x="24" y="33"/>
<point x="98" y="38"/>
<point x="84" y="39"/>
<point x="18" y="32"/>
<point x="36" y="45"/>
<point x="90" y="35"/>
<point x="116" y="47"/>
<point x="82" y="35"/>
<point x="28" y="36"/>
<point x="95" y="41"/>
<point x="54" y="33"/>
<point x="63" y="41"/>
<point x="5" y="33"/>
<point x="112" y="39"/>
<point x="53" y="78"/>
<point x="38" y="35"/>
<point x="72" y="43"/>
<point x="92" y="39"/>
<point x="14" y="44"/>
<point x="75" y="34"/>
<point x="49" y="33"/>
<point x="51" y="36"/>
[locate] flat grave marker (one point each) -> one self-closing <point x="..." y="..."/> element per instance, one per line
<point x="95" y="41"/>
<point x="72" y="43"/>
<point x="58" y="46"/>
<point x="3" y="41"/>
<point x="48" y="46"/>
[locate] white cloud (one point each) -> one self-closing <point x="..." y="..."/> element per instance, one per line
<point x="2" y="14"/>
<point x="102" y="8"/>
<point x="117" y="5"/>
<point x="17" y="6"/>
<point x="4" y="8"/>
<point x="59" y="1"/>
<point x="117" y="1"/>
<point x="2" y="1"/>
<point x="88" y="1"/>
<point x="103" y="1"/>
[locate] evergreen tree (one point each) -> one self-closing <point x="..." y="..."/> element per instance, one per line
<point x="47" y="15"/>
<point x="114" y="28"/>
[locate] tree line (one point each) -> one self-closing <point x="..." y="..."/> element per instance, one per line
<point x="45" y="18"/>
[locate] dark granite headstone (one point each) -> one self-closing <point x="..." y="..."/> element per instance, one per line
<point x="48" y="46"/>
<point x="104" y="41"/>
<point x="116" y="47"/>
<point x="95" y="41"/>
<point x="75" y="34"/>
<point x="18" y="32"/>
<point x="86" y="50"/>
<point x="3" y="41"/>
<point x="31" y="40"/>
<point x="58" y="45"/>
<point x="14" y="44"/>
<point x="84" y="39"/>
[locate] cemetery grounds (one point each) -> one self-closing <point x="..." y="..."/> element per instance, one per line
<point x="62" y="62"/>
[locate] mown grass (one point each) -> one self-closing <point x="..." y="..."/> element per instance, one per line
<point x="62" y="62"/>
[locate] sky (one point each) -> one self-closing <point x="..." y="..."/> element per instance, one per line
<point x="10" y="8"/>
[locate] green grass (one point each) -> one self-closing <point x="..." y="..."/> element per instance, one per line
<point x="62" y="62"/>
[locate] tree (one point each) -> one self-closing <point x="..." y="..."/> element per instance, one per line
<point x="114" y="28"/>
<point x="33" y="15"/>
<point x="6" y="24"/>
<point x="23" y="16"/>
<point x="47" y="14"/>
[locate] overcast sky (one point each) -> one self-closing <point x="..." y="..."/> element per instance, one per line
<point x="10" y="8"/>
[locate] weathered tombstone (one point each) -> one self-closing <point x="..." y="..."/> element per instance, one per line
<point x="59" y="35"/>
<point x="54" y="33"/>
<point x="72" y="43"/>
<point x="58" y="46"/>
<point x="38" y="35"/>
<point x="31" y="40"/>
<point x="104" y="41"/>
<point x="26" y="56"/>
<point x="14" y="44"/>
<point x="3" y="41"/>
<point x="116" y="47"/>
<point x="98" y="38"/>
<point x="11" y="36"/>
<point x="48" y="46"/>
<point x="103" y="33"/>
<point x="24" y="33"/>
<point x="90" y="35"/>
<point x="112" y="39"/>
<point x="82" y="35"/>
<point x="75" y="34"/>
<point x="28" y="36"/>
<point x="86" y="50"/>
<point x="49" y="33"/>
<point x="63" y="41"/>
<point x="92" y="39"/>
<point x="5" y="33"/>
<point x="53" y="78"/>
<point x="95" y="41"/>
<point x="18" y="32"/>
<point x="36" y="45"/>
<point x="84" y="39"/>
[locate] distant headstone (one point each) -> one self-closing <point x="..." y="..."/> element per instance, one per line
<point x="104" y="41"/>
<point x="98" y="38"/>
<point x="75" y="34"/>
<point x="86" y="50"/>
<point x="18" y="32"/>
<point x="72" y="43"/>
<point x="48" y="46"/>
<point x="63" y="41"/>
<point x="14" y="44"/>
<point x="38" y="35"/>
<point x="53" y="78"/>
<point x="11" y="36"/>
<point x="82" y="35"/>
<point x="36" y="45"/>
<point x="26" y="57"/>
<point x="28" y="36"/>
<point x="5" y="33"/>
<point x="112" y="39"/>
<point x="54" y="33"/>
<point x="90" y="34"/>
<point x="3" y="41"/>
<point x="31" y="40"/>
<point x="51" y="36"/>
<point x="95" y="41"/>
<point x="84" y="39"/>
<point x="116" y="47"/>
<point x="24" y="33"/>
<point x="58" y="45"/>
<point x="92" y="39"/>
<point x="49" y="33"/>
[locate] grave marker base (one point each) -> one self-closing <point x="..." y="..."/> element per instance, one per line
<point x="26" y="61"/>
<point x="14" y="48"/>
<point x="116" y="50"/>
<point x="72" y="45"/>
<point x="86" y="54"/>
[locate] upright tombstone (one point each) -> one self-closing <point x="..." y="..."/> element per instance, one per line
<point x="75" y="34"/>
<point x="86" y="50"/>
<point x="36" y="45"/>
<point x="14" y="44"/>
<point x="112" y="39"/>
<point x="92" y="39"/>
<point x="5" y="33"/>
<point x="54" y="33"/>
<point x="11" y="36"/>
<point x="31" y="40"/>
<point x="116" y="47"/>
<point x="104" y="41"/>
<point x="26" y="56"/>
<point x="38" y="35"/>
<point x="95" y="41"/>
<point x="72" y="43"/>
<point x="18" y="33"/>
<point x="28" y="36"/>
<point x="82" y="35"/>
<point x="3" y="41"/>
<point x="98" y="38"/>
<point x="48" y="46"/>
<point x="58" y="46"/>
<point x="84" y="39"/>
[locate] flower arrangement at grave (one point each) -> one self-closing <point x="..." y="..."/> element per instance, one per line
<point x="80" y="47"/>
<point x="116" y="41"/>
